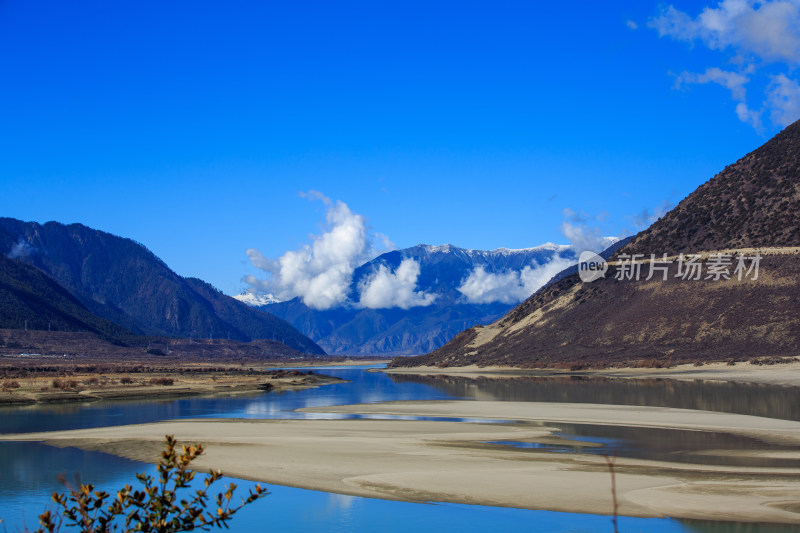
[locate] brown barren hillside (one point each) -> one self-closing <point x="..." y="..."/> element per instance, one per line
<point x="754" y="202"/>
<point x="752" y="208"/>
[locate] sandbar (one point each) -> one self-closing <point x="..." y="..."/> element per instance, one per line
<point x="787" y="374"/>
<point x="443" y="461"/>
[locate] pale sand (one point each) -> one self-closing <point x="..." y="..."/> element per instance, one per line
<point x="779" y="374"/>
<point x="447" y="461"/>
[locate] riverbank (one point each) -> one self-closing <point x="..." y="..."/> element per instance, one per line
<point x="81" y="385"/>
<point x="365" y="361"/>
<point x="417" y="460"/>
<point x="744" y="372"/>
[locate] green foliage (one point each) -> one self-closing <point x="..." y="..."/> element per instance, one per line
<point x="157" y="507"/>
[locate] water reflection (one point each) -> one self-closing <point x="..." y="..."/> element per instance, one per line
<point x="771" y="401"/>
<point x="29" y="473"/>
<point x="699" y="526"/>
<point x="660" y="444"/>
<point x="362" y="387"/>
<point x="369" y="387"/>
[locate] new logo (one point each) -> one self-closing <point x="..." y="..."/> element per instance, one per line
<point x="591" y="267"/>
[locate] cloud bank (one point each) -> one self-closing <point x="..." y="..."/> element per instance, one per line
<point x="513" y="286"/>
<point x="582" y="235"/>
<point x="319" y="273"/>
<point x="752" y="34"/>
<point x="510" y="286"/>
<point x="384" y="288"/>
<point x="765" y="29"/>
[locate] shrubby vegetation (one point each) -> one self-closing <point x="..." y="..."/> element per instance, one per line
<point x="164" y="504"/>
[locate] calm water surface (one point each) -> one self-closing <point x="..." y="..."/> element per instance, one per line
<point x="28" y="471"/>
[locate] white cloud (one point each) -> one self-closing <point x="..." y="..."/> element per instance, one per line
<point x="581" y="235"/>
<point x="631" y="24"/>
<point x="386" y="242"/>
<point x="513" y="286"/>
<point x="510" y="286"/>
<point x="384" y="288"/>
<point x="755" y="33"/>
<point x="574" y="216"/>
<point x="21" y="249"/>
<point x="319" y="273"/>
<point x="733" y="81"/>
<point x="783" y="100"/>
<point x="315" y="195"/>
<point x="749" y="116"/>
<point x="769" y="30"/>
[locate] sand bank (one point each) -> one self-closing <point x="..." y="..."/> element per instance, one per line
<point x="778" y="374"/>
<point x="450" y="461"/>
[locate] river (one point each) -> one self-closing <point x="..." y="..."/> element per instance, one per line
<point x="29" y="471"/>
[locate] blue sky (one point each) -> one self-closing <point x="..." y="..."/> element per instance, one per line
<point x="192" y="127"/>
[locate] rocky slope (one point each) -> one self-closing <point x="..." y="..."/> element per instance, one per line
<point x="752" y="207"/>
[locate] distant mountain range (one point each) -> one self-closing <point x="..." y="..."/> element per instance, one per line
<point x="80" y="279"/>
<point x="443" y="270"/>
<point x="750" y="210"/>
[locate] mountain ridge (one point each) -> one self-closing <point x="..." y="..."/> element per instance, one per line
<point x="122" y="281"/>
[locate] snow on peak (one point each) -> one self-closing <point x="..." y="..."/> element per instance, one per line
<point x="548" y="246"/>
<point x="256" y="300"/>
<point x="449" y="248"/>
<point x="442" y="248"/>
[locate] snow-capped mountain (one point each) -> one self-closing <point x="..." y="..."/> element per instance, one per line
<point x="462" y="288"/>
<point x="446" y="268"/>
<point x="255" y="300"/>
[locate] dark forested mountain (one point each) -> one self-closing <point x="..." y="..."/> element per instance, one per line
<point x="355" y="329"/>
<point x="392" y="331"/>
<point x="121" y="281"/>
<point x="750" y="209"/>
<point x="28" y="298"/>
